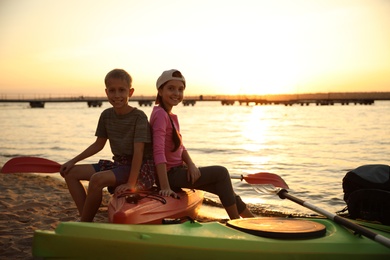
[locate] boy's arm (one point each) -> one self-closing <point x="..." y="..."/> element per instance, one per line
<point x="136" y="164"/>
<point x="94" y="148"/>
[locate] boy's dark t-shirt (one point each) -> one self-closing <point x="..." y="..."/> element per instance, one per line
<point x="123" y="131"/>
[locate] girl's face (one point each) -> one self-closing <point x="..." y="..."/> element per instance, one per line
<point x="172" y="93"/>
<point x="118" y="93"/>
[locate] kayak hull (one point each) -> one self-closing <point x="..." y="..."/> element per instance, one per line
<point x="213" y="240"/>
<point x="151" y="208"/>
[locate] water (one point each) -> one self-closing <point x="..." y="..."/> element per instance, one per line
<point x="310" y="147"/>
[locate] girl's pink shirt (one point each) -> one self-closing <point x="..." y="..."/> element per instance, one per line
<point x="162" y="138"/>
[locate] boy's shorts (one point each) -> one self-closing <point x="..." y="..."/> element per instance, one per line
<point x="146" y="177"/>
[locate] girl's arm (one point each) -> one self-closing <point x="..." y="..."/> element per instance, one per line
<point x="186" y="158"/>
<point x="193" y="172"/>
<point x="162" y="176"/>
<point x="159" y="123"/>
<point x="165" y="188"/>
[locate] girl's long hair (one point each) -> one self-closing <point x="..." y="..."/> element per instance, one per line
<point x="176" y="136"/>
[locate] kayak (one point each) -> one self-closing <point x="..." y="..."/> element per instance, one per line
<point x="237" y="239"/>
<point x="148" y="207"/>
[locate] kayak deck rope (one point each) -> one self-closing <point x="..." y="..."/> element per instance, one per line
<point x="133" y="198"/>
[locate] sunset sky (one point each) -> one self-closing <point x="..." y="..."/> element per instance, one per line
<point x="221" y="46"/>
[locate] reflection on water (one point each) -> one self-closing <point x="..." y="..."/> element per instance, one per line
<point x="310" y="147"/>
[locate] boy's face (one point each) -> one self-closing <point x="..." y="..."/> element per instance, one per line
<point x="118" y="92"/>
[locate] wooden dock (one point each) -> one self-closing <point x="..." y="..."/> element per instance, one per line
<point x="319" y="99"/>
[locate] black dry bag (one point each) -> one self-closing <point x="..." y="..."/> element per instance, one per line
<point x="367" y="193"/>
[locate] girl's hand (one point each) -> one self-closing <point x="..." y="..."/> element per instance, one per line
<point x="169" y="192"/>
<point x="193" y="173"/>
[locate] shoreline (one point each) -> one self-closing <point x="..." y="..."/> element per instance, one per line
<point x="29" y="202"/>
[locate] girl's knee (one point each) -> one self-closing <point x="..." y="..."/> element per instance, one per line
<point x="223" y="172"/>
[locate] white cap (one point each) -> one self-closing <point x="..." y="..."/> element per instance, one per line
<point x="170" y="75"/>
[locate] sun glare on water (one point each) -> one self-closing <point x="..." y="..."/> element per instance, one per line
<point x="254" y="132"/>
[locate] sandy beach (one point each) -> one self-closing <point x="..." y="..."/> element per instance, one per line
<point x="37" y="201"/>
<point x="31" y="201"/>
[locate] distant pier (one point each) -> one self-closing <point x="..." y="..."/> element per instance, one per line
<point x="319" y="99"/>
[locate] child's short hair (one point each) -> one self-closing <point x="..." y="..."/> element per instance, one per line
<point x="118" y="74"/>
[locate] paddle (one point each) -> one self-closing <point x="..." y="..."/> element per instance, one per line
<point x="30" y="164"/>
<point x="263" y="179"/>
<point x="273" y="184"/>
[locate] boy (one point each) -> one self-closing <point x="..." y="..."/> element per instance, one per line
<point x="128" y="132"/>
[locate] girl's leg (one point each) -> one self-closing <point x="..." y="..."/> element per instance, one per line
<point x="232" y="211"/>
<point x="243" y="209"/>
<point x="246" y="213"/>
<point x="93" y="200"/>
<point x="216" y="180"/>
<point x="224" y="189"/>
<point x="76" y="188"/>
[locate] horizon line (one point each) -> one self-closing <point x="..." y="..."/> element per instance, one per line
<point x="4" y="95"/>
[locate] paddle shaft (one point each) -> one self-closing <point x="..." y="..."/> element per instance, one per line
<point x="283" y="194"/>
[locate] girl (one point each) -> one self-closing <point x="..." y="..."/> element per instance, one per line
<point x="174" y="166"/>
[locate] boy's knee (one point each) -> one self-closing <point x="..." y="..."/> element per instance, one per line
<point x="71" y="175"/>
<point x="97" y="181"/>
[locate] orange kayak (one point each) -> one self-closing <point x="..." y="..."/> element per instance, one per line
<point x="148" y="207"/>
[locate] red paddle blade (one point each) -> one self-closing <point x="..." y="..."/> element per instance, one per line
<point x="266" y="178"/>
<point x="30" y="164"/>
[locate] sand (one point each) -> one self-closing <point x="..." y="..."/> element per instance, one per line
<point x="29" y="202"/>
<point x="34" y="201"/>
<point x="37" y="201"/>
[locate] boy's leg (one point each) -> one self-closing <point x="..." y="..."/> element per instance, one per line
<point x="76" y="188"/>
<point x="93" y="200"/>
